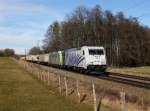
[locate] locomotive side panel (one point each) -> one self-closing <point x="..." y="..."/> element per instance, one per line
<point x="73" y="57"/>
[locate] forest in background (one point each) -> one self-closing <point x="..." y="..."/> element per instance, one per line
<point x="7" y="52"/>
<point x="126" y="41"/>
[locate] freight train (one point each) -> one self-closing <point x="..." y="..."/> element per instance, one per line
<point x="89" y="58"/>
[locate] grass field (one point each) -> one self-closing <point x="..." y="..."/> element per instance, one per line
<point x="110" y="91"/>
<point x="144" y="69"/>
<point x="19" y="91"/>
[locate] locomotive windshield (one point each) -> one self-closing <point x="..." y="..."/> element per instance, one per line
<point x="96" y="52"/>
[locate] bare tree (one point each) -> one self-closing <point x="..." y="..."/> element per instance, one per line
<point x="125" y="40"/>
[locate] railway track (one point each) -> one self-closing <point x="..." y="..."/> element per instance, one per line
<point x="129" y="81"/>
<point x="133" y="80"/>
<point x="130" y="76"/>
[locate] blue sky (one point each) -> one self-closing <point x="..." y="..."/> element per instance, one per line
<point x="24" y="22"/>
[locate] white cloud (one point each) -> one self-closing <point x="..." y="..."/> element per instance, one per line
<point x="18" y="38"/>
<point x="20" y="7"/>
<point x="13" y="8"/>
<point x="20" y="34"/>
<point x="23" y="23"/>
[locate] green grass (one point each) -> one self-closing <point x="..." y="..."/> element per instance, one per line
<point x="19" y="91"/>
<point x="144" y="69"/>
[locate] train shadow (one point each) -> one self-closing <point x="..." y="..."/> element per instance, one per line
<point x="98" y="73"/>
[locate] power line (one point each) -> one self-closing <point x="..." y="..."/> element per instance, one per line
<point x="136" y="5"/>
<point x="145" y="14"/>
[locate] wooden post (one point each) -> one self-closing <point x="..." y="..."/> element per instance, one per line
<point x="142" y="103"/>
<point x="59" y="83"/>
<point x="94" y="97"/>
<point x="44" y="76"/>
<point x="41" y="75"/>
<point x="38" y="74"/>
<point x="48" y="78"/>
<point x="34" y="70"/>
<point x="77" y="86"/>
<point x="66" y="87"/>
<point x="31" y="71"/>
<point x="52" y="76"/>
<point x="122" y="101"/>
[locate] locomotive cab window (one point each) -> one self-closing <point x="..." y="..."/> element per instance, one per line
<point x="96" y="52"/>
<point x="83" y="52"/>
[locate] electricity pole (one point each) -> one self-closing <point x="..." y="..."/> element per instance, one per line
<point x="38" y="43"/>
<point x="25" y="53"/>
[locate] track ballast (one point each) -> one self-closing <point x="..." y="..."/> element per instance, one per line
<point x="133" y="80"/>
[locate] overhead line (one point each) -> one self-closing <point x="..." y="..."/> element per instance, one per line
<point x="136" y="5"/>
<point x="145" y="14"/>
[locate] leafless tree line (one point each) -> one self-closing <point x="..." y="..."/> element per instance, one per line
<point x="126" y="41"/>
<point x="7" y="52"/>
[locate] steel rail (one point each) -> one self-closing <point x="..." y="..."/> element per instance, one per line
<point x="126" y="80"/>
<point x="130" y="76"/>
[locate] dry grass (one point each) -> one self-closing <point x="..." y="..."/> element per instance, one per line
<point x="134" y="95"/>
<point x="19" y="91"/>
<point x="141" y="70"/>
